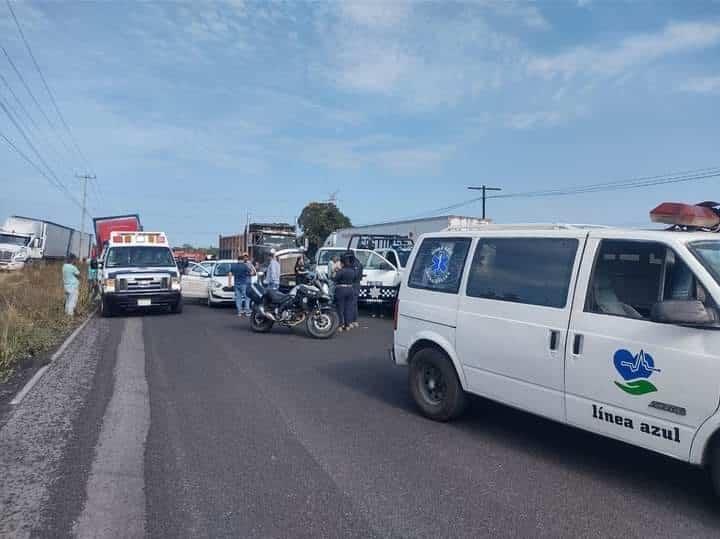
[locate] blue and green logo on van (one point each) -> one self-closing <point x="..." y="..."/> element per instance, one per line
<point x="635" y="369"/>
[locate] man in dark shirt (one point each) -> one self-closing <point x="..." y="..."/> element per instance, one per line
<point x="344" y="294"/>
<point x="359" y="269"/>
<point x="240" y="278"/>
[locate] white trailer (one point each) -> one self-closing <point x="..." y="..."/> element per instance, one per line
<point x="24" y="240"/>
<point x="411" y="229"/>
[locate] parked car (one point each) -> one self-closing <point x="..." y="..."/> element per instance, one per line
<point x="380" y="280"/>
<point x="209" y="282"/>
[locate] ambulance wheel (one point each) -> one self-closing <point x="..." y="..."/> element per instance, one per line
<point x="435" y="386"/>
<point x="106" y="309"/>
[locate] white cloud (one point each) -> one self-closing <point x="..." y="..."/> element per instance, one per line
<point x="702" y="85"/>
<point x="526" y="12"/>
<point x="640" y="49"/>
<point x="389" y="153"/>
<point x="542" y="118"/>
<point x="374" y="13"/>
<point x="416" y="54"/>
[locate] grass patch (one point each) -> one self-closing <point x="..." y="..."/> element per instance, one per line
<point x="32" y="312"/>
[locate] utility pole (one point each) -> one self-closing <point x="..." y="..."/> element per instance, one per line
<point x="484" y="188"/>
<point x="84" y="178"/>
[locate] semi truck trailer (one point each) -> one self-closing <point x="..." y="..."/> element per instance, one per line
<point x="25" y="240"/>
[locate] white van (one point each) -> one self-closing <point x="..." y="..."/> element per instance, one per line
<point x="611" y="330"/>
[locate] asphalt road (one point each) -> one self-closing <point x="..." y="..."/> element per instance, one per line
<point x="191" y="426"/>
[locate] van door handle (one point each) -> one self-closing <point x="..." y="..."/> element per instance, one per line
<point x="554" y="338"/>
<point x="577" y="344"/>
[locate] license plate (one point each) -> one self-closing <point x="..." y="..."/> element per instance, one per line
<point x="144" y="302"/>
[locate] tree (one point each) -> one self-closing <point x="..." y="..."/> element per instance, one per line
<point x="318" y="220"/>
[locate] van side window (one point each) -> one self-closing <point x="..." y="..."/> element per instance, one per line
<point x="439" y="264"/>
<point x="630" y="277"/>
<point x="535" y="271"/>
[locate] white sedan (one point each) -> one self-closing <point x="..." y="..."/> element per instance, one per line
<point x="211" y="284"/>
<point x="208" y="282"/>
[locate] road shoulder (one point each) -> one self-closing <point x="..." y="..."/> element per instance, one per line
<point x="35" y="439"/>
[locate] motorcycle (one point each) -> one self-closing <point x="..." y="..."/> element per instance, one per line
<point x="308" y="303"/>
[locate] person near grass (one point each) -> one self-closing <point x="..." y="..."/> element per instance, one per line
<point x="240" y="277"/>
<point x="92" y="275"/>
<point x="71" y="284"/>
<point x="344" y="279"/>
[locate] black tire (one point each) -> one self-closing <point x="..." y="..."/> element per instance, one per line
<point x="178" y="307"/>
<point x="435" y="386"/>
<point x="323" y="326"/>
<point x="258" y="323"/>
<point x="713" y="464"/>
<point x="106" y="309"/>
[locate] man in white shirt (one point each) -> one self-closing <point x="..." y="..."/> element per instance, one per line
<point x="272" y="278"/>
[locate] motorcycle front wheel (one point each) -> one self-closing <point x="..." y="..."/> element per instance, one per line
<point x="322" y="324"/>
<point x="258" y="323"/>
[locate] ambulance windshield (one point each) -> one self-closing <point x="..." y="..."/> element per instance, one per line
<point x="139" y="257"/>
<point x="708" y="253"/>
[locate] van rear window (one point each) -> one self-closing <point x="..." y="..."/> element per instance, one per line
<point x="439" y="264"/>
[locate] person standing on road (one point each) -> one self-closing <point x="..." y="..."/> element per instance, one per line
<point x="272" y="277"/>
<point x="358" y="268"/>
<point x="332" y="268"/>
<point x="71" y="283"/>
<point x="240" y="277"/>
<point x="344" y="279"/>
<point x="300" y="272"/>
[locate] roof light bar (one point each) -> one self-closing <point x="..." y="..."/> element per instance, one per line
<point x="690" y="215"/>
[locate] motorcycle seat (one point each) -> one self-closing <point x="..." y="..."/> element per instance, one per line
<point x="276" y="296"/>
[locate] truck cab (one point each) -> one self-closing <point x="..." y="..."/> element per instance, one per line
<point x="615" y="331"/>
<point x="138" y="271"/>
<point x="17" y="249"/>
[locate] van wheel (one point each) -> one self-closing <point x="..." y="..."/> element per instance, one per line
<point x="105" y="309"/>
<point x="435" y="387"/>
<point x="714" y="465"/>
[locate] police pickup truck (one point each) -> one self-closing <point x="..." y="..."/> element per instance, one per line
<point x="616" y="331"/>
<point x="137" y="270"/>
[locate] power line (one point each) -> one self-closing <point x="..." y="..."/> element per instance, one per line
<point x="36" y="128"/>
<point x="56" y="181"/>
<point x="34" y="165"/>
<point x="32" y="96"/>
<point x="45" y="84"/>
<point x="618" y="185"/>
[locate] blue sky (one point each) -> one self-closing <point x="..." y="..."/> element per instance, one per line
<point x="194" y="113"/>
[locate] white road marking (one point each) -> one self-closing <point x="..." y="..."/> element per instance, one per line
<point x="115" y="496"/>
<point x="39" y="374"/>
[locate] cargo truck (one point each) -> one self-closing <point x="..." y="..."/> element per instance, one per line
<point x="104" y="226"/>
<point x="24" y="240"/>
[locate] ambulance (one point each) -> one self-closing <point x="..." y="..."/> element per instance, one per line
<point x="137" y="271"/>
<point x="615" y="331"/>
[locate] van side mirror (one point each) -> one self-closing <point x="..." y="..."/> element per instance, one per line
<point x="684" y="312"/>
